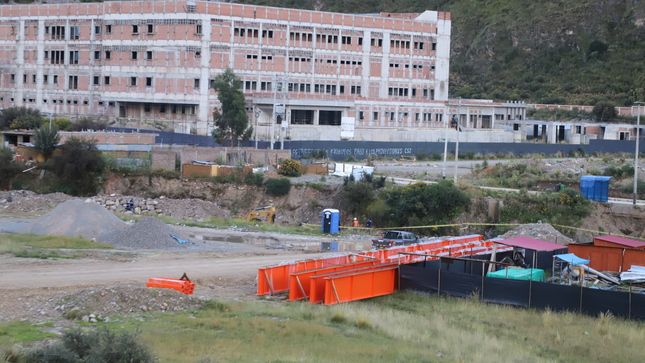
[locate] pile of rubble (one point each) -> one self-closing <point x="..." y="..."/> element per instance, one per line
<point x="177" y="208"/>
<point x="539" y="231"/>
<point x="28" y="202"/>
<point x="103" y="303"/>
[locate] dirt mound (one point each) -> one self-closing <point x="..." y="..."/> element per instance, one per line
<point x="150" y="233"/>
<point x="77" y="218"/>
<point x="123" y="300"/>
<point x="540" y="231"/>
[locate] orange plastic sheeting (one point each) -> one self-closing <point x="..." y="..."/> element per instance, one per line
<point x="184" y="286"/>
<point x="360" y="285"/>
<point x="317" y="282"/>
<point x="300" y="281"/>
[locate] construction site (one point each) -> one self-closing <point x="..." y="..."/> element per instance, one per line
<point x="241" y="263"/>
<point x="150" y="267"/>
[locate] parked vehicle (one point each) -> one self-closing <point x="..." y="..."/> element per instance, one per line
<point x="395" y="238"/>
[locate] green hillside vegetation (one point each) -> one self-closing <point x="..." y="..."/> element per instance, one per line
<point x="574" y="52"/>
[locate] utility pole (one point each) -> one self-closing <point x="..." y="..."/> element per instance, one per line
<point x="273" y="116"/>
<point x="256" y="115"/>
<point x="445" y="144"/>
<point x="638" y="139"/>
<point x="458" y="131"/>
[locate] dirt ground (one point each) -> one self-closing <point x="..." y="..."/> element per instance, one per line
<point x="110" y="282"/>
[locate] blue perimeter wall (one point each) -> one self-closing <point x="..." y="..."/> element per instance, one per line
<point x="341" y="150"/>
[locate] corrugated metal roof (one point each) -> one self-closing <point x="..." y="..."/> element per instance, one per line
<point x="530" y="244"/>
<point x="622" y="241"/>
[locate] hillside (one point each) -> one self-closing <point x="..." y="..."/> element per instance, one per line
<point x="567" y="52"/>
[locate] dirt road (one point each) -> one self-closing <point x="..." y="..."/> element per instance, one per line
<point x="25" y="274"/>
<point x="31" y="287"/>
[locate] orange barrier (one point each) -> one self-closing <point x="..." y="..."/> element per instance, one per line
<point x="317" y="282"/>
<point x="276" y="278"/>
<point x="300" y="281"/>
<point x="360" y="285"/>
<point x="183" y="286"/>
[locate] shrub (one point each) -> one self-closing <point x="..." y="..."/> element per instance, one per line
<point x="88" y="123"/>
<point x="278" y="186"/>
<point x="98" y="346"/>
<point x="422" y="155"/>
<point x="357" y="196"/>
<point x="254" y="178"/>
<point x="426" y="204"/>
<point x="10" y="114"/>
<point x="8" y="167"/>
<point x="289" y="167"/>
<point x="604" y="111"/>
<point x="62" y="123"/>
<point x="27" y="121"/>
<point x="78" y="167"/>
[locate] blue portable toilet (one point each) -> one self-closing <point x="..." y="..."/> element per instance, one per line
<point x="331" y="221"/>
<point x="595" y="187"/>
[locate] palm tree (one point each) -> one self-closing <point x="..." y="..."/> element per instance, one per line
<point x="46" y="140"/>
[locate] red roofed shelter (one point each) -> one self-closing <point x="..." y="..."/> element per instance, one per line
<point x="615" y="241"/>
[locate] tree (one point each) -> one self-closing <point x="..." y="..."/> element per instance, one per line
<point x="79" y="166"/>
<point x="289" y="167"/>
<point x="231" y="121"/>
<point x="426" y="204"/>
<point x="604" y="111"/>
<point x="88" y="123"/>
<point x="8" y="167"/>
<point x="357" y="196"/>
<point x="46" y="140"/>
<point x="20" y="117"/>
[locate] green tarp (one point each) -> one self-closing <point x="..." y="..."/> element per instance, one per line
<point x="519" y="274"/>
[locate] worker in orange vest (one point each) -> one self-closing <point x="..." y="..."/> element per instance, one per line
<point x="355" y="222"/>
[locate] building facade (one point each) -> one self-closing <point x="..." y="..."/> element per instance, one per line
<point x="305" y="74"/>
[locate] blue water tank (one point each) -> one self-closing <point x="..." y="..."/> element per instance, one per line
<point x="330" y="221"/>
<point x="595" y="187"/>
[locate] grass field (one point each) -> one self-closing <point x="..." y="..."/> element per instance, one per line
<point x="403" y="327"/>
<point x="32" y="246"/>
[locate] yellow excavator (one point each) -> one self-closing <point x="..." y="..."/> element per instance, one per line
<point x="262" y="214"/>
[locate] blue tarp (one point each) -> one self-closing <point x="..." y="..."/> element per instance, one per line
<point x="572" y="259"/>
<point x="588" y="181"/>
<point x="595" y="187"/>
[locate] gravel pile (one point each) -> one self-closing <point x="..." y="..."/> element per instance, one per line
<point x="539" y="231"/>
<point x="151" y="234"/>
<point x="77" y="218"/>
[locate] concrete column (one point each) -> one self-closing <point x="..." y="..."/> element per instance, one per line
<point x="552" y="138"/>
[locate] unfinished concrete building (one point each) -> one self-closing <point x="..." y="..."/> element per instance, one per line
<point x="307" y="75"/>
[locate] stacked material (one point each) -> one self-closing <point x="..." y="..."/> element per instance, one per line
<point x="635" y="275"/>
<point x="184" y="286"/>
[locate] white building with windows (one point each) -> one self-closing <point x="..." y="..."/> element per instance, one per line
<point x="307" y="75"/>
